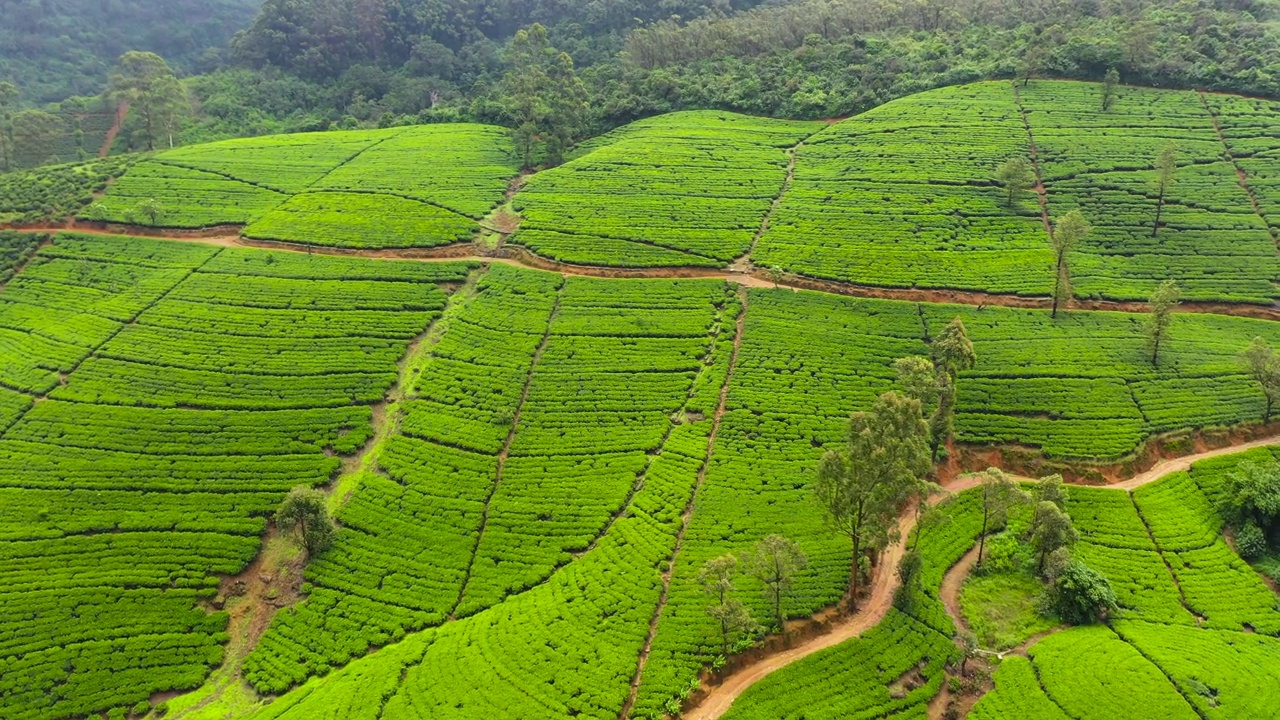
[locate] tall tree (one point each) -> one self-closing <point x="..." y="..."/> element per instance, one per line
<point x="1051" y="489"/>
<point x="1109" y="84"/>
<point x="1166" y="165"/>
<point x="1031" y="64"/>
<point x="862" y="487"/>
<point x="145" y="81"/>
<point x="775" y="562"/>
<point x="8" y="101"/>
<point x="918" y="380"/>
<point x="1264" y="367"/>
<point x="999" y="494"/>
<point x="545" y="99"/>
<point x="1163" y="303"/>
<point x="304" y="513"/>
<point x="1067" y="234"/>
<point x="716" y="579"/>
<point x="952" y="354"/>
<point x="1016" y="176"/>
<point x="1051" y="529"/>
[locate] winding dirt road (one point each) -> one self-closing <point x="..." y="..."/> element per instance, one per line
<point x="885" y="581"/>
<point x="227" y="237"/>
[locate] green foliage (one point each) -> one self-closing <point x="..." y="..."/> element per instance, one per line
<point x="1082" y="596"/>
<point x="859" y="677"/>
<point x="1018" y="694"/>
<point x="1017" y="175"/>
<point x="1264" y="367"/>
<point x="56" y="192"/>
<point x="775" y="563"/>
<point x="862" y="487"/>
<point x="1004" y="608"/>
<point x="1078" y="669"/>
<point x="654" y="193"/>
<point x="146" y="83"/>
<point x="304" y="512"/>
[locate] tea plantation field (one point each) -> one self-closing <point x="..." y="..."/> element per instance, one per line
<point x="1198" y="634"/>
<point x="508" y="547"/>
<point x="529" y="469"/>
<point x="418" y="187"/>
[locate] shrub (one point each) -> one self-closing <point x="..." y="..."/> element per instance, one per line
<point x="1250" y="541"/>
<point x="1082" y="595"/>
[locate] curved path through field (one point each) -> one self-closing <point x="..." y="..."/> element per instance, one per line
<point x="885" y="581"/>
<point x="747" y="277"/>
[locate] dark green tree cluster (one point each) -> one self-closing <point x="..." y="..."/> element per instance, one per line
<point x="1251" y="507"/>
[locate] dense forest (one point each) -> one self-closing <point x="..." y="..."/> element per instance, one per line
<point x="53" y="50"/>
<point x="317" y="64"/>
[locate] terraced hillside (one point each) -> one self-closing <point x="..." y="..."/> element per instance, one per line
<point x="417" y="187"/>
<point x="1198" y="634"/>
<point x="531" y="468"/>
<point x="562" y="457"/>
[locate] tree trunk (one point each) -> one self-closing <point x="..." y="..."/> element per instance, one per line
<point x="1155" y="227"/>
<point x="1266" y="416"/>
<point x="853" y="575"/>
<point x="982" y="539"/>
<point x="1057" y="289"/>
<point x="1155" y="349"/>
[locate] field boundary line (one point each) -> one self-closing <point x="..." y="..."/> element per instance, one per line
<point x="643" y="476"/>
<point x="1042" y="193"/>
<point x="687" y="515"/>
<point x="93" y="351"/>
<point x="793" y="154"/>
<point x="1242" y="175"/>
<point x="505" y="452"/>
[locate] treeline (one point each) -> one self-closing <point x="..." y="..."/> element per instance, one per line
<point x="308" y="65"/>
<point x="324" y="64"/>
<point x="54" y="50"/>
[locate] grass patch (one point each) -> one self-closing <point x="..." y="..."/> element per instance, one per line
<point x="1003" y="609"/>
<point x="1269" y="565"/>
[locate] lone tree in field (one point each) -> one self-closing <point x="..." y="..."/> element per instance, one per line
<point x="1051" y="529"/>
<point x="862" y="487"/>
<point x="305" y="514"/>
<point x="1109" y="83"/>
<point x="1031" y="64"/>
<point x="716" y="579"/>
<point x="148" y="210"/>
<point x="145" y="81"/>
<point x="1264" y="368"/>
<point x="1000" y="493"/>
<point x="775" y="275"/>
<point x="1163" y="302"/>
<point x="1067" y="234"/>
<point x="1016" y="176"/>
<point x="1166" y="164"/>
<point x="952" y="354"/>
<point x="775" y="562"/>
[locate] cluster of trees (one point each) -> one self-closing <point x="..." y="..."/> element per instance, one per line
<point x="774" y="562"/>
<point x="62" y="49"/>
<point x="349" y="63"/>
<point x="1251" y="507"/>
<point x="1036" y="534"/>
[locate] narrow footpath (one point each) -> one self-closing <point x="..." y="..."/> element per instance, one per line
<point x="740" y="275"/>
